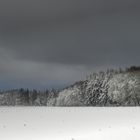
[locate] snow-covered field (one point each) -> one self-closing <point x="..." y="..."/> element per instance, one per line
<point x="44" y="123"/>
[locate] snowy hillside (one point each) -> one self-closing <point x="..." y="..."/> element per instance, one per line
<point x="104" y="89"/>
<point x="110" y="88"/>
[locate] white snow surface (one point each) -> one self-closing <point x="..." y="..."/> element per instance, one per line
<point x="53" y="123"/>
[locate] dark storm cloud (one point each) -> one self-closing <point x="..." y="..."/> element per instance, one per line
<point x="54" y="42"/>
<point x="105" y="40"/>
<point x="16" y="14"/>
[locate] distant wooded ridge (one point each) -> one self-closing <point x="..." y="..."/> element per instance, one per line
<point x="109" y="88"/>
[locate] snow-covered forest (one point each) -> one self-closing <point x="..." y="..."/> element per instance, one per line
<point x="109" y="88"/>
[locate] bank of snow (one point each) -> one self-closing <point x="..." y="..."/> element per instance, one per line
<point x="45" y="123"/>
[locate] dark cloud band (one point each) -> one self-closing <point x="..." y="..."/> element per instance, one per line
<point x="70" y="37"/>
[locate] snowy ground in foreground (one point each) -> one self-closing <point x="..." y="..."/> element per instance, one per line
<point x="44" y="123"/>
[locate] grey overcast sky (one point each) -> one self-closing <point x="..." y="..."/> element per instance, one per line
<point x="53" y="43"/>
